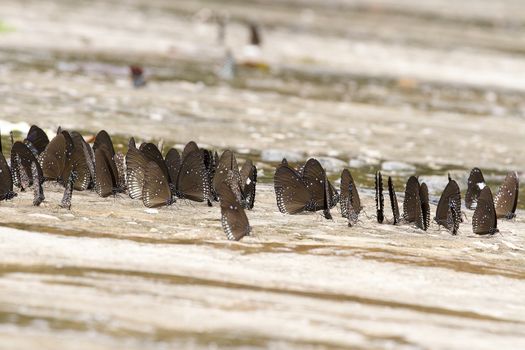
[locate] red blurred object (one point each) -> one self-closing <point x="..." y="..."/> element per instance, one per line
<point x="137" y="76"/>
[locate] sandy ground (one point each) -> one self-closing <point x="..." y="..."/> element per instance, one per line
<point x="112" y="272"/>
<point x="436" y="85"/>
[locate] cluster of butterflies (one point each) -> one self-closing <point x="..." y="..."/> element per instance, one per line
<point x="197" y="174"/>
<point x="307" y="188"/>
<point x="200" y="175"/>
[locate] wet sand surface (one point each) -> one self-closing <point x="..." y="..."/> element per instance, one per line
<point x="352" y="82"/>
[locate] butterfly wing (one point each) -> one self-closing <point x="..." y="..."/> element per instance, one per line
<point x="248" y="175"/>
<point x="81" y="162"/>
<point x="38" y="180"/>
<point x="190" y="147"/>
<point x="393" y="201"/>
<point x="352" y="214"/>
<point x="411" y="203"/>
<point x="332" y="194"/>
<point x="6" y="180"/>
<point x="227" y="162"/>
<point x="53" y="159"/>
<point x="233" y="180"/>
<point x="425" y="206"/>
<point x="484" y="220"/>
<point x="453" y="215"/>
<point x="37" y="139"/>
<point x="506" y="199"/>
<point x="136" y="164"/>
<point x="156" y="191"/>
<point x="103" y="138"/>
<point x="314" y="177"/>
<point x="21" y="154"/>
<point x="475" y="184"/>
<point x="151" y="151"/>
<point x="380" y="201"/>
<point x="173" y="164"/>
<point x="192" y="183"/>
<point x="69" y="165"/>
<point x="233" y="217"/>
<point x="292" y="194"/>
<point x="451" y="194"/>
<point x="104" y="177"/>
<point x="344" y="193"/>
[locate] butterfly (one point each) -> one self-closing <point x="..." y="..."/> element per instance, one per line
<point x="425" y="206"/>
<point x="173" y="162"/>
<point x="103" y="138"/>
<point x="36" y="140"/>
<point x="83" y="163"/>
<point x="233" y="218"/>
<point x="453" y="217"/>
<point x="190" y="147"/>
<point x="210" y="163"/>
<point x="156" y="191"/>
<point x="27" y="170"/>
<point x="242" y="183"/>
<point x="248" y="174"/>
<point x="112" y="181"/>
<point x="56" y="158"/>
<point x="306" y="190"/>
<point x="147" y="174"/>
<point x="412" y="208"/>
<point x="292" y="195"/>
<point x="227" y="162"/>
<point x="448" y="212"/>
<point x="22" y="160"/>
<point x="379" y="197"/>
<point x="323" y="193"/>
<point x="136" y="163"/>
<point x="506" y="199"/>
<point x="152" y="153"/>
<point x="348" y="195"/>
<point x="352" y="215"/>
<point x="6" y="180"/>
<point x="485" y="220"/>
<point x="475" y="184"/>
<point x="189" y="175"/>
<point x="106" y="173"/>
<point x="393" y="201"/>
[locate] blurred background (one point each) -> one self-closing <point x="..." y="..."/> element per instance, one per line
<point x="435" y="86"/>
